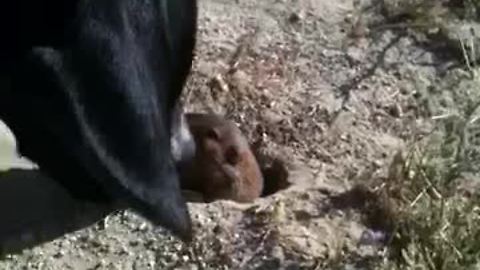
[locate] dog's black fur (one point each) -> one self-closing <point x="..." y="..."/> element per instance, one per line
<point x="92" y="89"/>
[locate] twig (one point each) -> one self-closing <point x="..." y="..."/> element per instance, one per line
<point x="247" y="259"/>
<point x="420" y="195"/>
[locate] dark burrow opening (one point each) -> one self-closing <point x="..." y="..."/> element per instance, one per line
<point x="275" y="176"/>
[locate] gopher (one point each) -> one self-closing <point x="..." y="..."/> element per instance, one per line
<point x="224" y="166"/>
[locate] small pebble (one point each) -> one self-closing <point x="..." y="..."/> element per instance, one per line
<point x="372" y="238"/>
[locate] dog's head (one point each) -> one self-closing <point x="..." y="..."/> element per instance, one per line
<point x="97" y="112"/>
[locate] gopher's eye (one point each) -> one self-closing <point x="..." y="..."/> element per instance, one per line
<point x="232" y="155"/>
<point x="213" y="134"/>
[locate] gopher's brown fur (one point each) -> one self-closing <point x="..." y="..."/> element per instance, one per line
<point x="224" y="166"/>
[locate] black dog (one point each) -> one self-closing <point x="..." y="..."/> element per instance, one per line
<point x="92" y="96"/>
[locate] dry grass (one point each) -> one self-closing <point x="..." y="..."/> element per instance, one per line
<point x="436" y="192"/>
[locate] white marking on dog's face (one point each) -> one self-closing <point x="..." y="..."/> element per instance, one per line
<point x="9" y="157"/>
<point x="182" y="142"/>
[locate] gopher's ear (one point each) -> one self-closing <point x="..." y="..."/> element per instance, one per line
<point x="232" y="155"/>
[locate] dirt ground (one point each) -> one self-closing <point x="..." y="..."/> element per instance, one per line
<point x="309" y="84"/>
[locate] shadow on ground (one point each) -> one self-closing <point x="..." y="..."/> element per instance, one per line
<point x="34" y="209"/>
